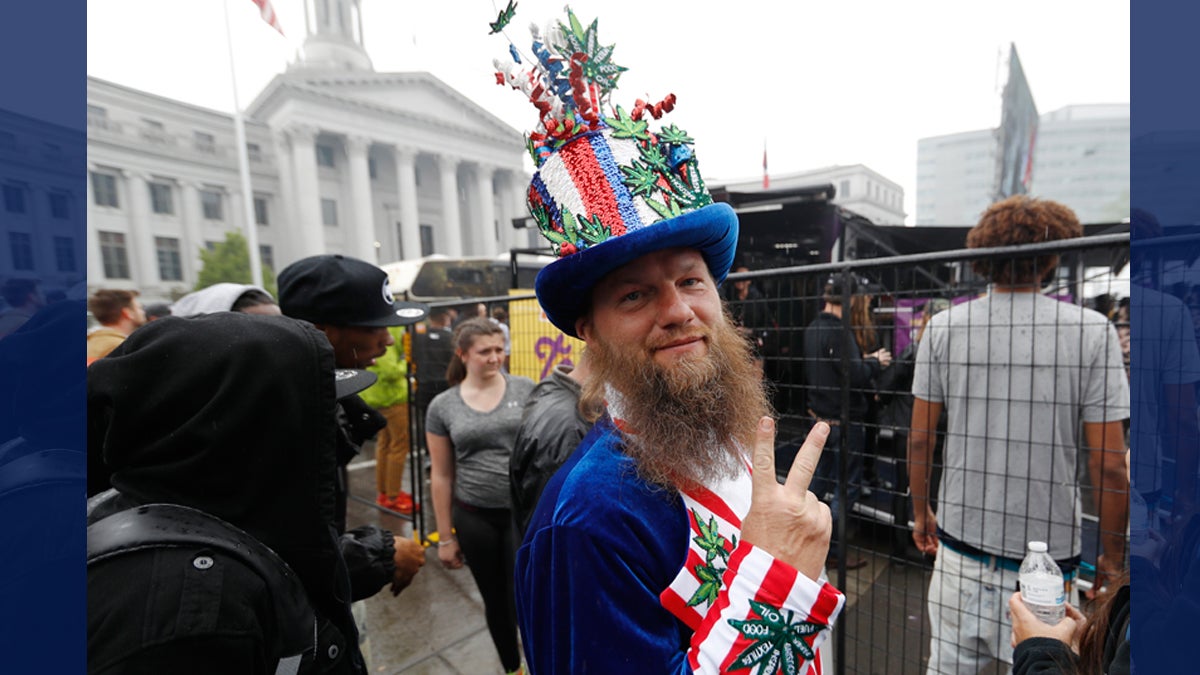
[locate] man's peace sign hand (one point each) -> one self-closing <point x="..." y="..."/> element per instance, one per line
<point x="788" y="521"/>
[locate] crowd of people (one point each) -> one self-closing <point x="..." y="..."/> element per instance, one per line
<point x="630" y="512"/>
<point x="662" y="356"/>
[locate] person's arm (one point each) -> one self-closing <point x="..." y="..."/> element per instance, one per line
<point x="369" y="552"/>
<point x="1106" y="466"/>
<point x="922" y="438"/>
<point x="441" y="484"/>
<point x="860" y="370"/>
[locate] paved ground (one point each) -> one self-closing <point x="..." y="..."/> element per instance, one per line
<point x="436" y="626"/>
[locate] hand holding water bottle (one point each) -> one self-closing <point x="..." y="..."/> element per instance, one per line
<point x="1026" y="624"/>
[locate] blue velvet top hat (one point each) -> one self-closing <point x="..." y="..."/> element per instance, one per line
<point x="608" y="189"/>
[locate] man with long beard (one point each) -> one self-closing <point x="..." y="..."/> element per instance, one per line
<point x="666" y="543"/>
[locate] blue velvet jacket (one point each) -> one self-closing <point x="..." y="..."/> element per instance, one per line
<point x="618" y="575"/>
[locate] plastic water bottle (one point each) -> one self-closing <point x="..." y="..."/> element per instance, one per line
<point x="1042" y="587"/>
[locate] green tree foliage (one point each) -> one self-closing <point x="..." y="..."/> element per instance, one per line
<point x="229" y="261"/>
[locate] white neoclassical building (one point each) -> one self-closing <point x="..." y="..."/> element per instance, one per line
<point x="856" y="187"/>
<point x="343" y="159"/>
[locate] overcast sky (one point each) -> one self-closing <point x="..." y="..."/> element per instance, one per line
<point x="835" y="82"/>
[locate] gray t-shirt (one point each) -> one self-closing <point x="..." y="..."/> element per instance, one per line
<point x="1018" y="373"/>
<point x="482" y="441"/>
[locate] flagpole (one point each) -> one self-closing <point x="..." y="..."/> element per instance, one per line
<point x="766" y="184"/>
<point x="239" y="131"/>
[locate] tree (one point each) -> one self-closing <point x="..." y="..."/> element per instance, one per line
<point x="229" y="261"/>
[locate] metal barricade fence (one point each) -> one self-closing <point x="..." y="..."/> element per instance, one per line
<point x="1045" y="374"/>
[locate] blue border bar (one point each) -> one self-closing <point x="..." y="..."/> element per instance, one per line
<point x="1165" y="172"/>
<point x="43" y="154"/>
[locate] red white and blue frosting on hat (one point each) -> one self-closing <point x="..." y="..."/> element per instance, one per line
<point x="608" y="189"/>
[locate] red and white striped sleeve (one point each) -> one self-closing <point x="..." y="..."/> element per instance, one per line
<point x="768" y="618"/>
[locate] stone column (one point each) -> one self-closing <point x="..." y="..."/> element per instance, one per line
<point x="451" y="221"/>
<point x="489" y="237"/>
<point x="193" y="231"/>
<point x="145" y="257"/>
<point x="311" y="238"/>
<point x="362" y="227"/>
<point x="518" y="195"/>
<point x="406" y="188"/>
<point x="95" y="261"/>
<point x="287" y="220"/>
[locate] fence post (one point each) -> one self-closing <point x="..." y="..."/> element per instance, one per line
<point x="843" y="457"/>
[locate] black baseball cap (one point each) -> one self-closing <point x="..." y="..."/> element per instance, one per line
<point x="343" y="291"/>
<point x="347" y="381"/>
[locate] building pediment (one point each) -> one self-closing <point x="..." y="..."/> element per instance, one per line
<point x="414" y="98"/>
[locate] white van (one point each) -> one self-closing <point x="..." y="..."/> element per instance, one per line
<point x="438" y="277"/>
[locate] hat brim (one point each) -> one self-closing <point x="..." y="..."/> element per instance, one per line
<point x="402" y="314"/>
<point x="564" y="286"/>
<point x="348" y="381"/>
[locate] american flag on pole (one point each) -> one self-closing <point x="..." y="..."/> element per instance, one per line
<point x="766" y="178"/>
<point x="268" y="14"/>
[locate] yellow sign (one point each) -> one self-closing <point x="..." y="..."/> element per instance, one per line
<point x="537" y="346"/>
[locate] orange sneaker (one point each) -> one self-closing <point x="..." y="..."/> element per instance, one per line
<point x="402" y="503"/>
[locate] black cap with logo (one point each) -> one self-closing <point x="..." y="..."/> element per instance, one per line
<point x="348" y="381"/>
<point x="343" y="291"/>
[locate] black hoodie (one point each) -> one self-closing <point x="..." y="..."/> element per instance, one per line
<point x="231" y="414"/>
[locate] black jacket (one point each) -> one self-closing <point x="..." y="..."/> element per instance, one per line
<point x="432" y="351"/>
<point x="551" y="429"/>
<point x="825" y="340"/>
<point x="369" y="551"/>
<point x="233" y="415"/>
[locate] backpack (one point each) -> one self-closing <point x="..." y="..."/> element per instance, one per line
<point x="298" y="638"/>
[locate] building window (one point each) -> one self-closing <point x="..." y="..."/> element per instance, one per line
<point x="253" y="152"/>
<point x="97" y="116"/>
<point x="325" y="155"/>
<point x="160" y="198"/>
<point x="260" y="211"/>
<point x="21" y="244"/>
<point x="204" y="142"/>
<point x="266" y="256"/>
<point x="58" y="206"/>
<point x="169" y="266"/>
<point x="210" y="245"/>
<point x="210" y="200"/>
<point x="844" y="188"/>
<point x="112" y="250"/>
<point x="329" y="212"/>
<point x="104" y="190"/>
<point x="14" y="199"/>
<point x="426" y="240"/>
<point x="154" y="131"/>
<point x="371" y="167"/>
<point x="64" y="254"/>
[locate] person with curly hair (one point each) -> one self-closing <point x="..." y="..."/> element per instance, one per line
<point x="1016" y="372"/>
